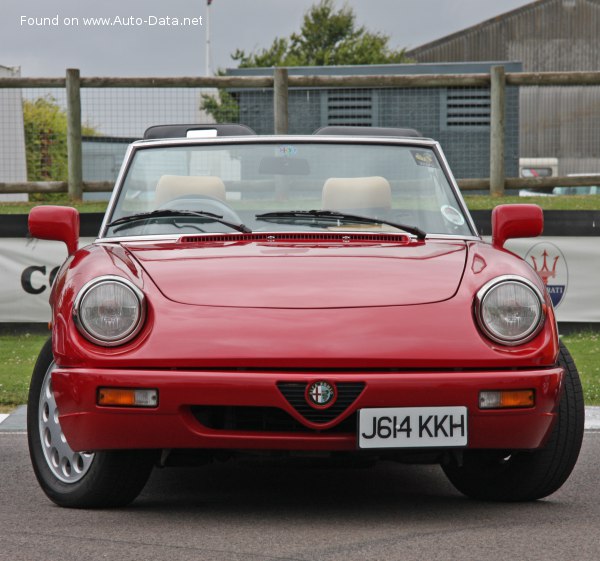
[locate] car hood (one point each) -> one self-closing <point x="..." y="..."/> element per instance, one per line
<point x="287" y="275"/>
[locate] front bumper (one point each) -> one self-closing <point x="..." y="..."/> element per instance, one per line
<point x="174" y="423"/>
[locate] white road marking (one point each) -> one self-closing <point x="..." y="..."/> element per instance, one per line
<point x="3" y="416"/>
<point x="592" y="418"/>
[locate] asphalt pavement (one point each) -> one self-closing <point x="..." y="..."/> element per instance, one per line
<point x="276" y="511"/>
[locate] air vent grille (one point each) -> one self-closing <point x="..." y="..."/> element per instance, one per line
<point x="350" y="108"/>
<point x="297" y="237"/>
<point x="260" y="419"/>
<point x="467" y="108"/>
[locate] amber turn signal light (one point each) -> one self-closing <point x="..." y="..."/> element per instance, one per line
<point x="124" y="397"/>
<point x="506" y="399"/>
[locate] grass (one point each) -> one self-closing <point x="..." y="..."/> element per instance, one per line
<point x="17" y="358"/>
<point x="585" y="348"/>
<point x="19" y="352"/>
<point x="564" y="202"/>
<point x="24" y="208"/>
<point x="474" y="202"/>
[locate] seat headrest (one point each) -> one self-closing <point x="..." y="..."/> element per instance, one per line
<point x="356" y="193"/>
<point x="170" y="187"/>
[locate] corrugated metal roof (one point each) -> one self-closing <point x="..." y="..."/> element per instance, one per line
<point x="477" y="67"/>
<point x="546" y="35"/>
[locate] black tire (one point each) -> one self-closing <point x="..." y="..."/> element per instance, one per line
<point x="99" y="480"/>
<point x="528" y="475"/>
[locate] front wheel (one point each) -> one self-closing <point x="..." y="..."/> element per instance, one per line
<point x="528" y="475"/>
<point x="76" y="479"/>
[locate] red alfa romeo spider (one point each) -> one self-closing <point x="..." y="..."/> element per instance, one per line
<point x="293" y="294"/>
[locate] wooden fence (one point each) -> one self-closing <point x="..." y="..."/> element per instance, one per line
<point x="497" y="81"/>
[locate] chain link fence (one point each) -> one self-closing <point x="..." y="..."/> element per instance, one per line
<point x="556" y="123"/>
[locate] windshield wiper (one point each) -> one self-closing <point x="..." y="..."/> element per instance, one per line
<point x="339" y="217"/>
<point x="209" y="216"/>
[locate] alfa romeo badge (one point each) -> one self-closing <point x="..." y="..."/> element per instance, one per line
<point x="321" y="394"/>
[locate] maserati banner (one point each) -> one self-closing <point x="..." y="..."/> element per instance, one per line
<point x="569" y="266"/>
<point x="570" y="269"/>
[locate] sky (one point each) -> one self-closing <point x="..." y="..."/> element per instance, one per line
<point x="138" y="38"/>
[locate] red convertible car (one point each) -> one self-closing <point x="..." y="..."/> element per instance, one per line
<point x="286" y="295"/>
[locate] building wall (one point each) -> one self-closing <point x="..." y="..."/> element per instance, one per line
<point x="547" y="35"/>
<point x="562" y="122"/>
<point x="457" y="117"/>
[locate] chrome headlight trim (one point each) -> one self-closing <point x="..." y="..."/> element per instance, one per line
<point x="127" y="335"/>
<point x="479" y="303"/>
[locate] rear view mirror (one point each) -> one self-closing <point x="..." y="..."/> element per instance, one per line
<point x="516" y="221"/>
<point x="275" y="165"/>
<point x="59" y="223"/>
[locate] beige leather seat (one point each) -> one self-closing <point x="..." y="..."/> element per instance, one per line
<point x="353" y="193"/>
<point x="170" y="187"/>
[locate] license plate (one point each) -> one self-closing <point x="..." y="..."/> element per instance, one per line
<point x="412" y="427"/>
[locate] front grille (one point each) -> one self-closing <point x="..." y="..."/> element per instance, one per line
<point x="294" y="392"/>
<point x="259" y="419"/>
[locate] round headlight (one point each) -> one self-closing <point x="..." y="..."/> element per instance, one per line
<point x="109" y="311"/>
<point x="510" y="310"/>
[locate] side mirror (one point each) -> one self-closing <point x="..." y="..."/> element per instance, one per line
<point x="59" y="223"/>
<point x="516" y="221"/>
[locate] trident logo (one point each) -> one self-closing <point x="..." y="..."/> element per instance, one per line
<point x="545" y="271"/>
<point x="550" y="264"/>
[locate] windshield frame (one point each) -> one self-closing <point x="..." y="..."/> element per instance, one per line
<point x="139" y="145"/>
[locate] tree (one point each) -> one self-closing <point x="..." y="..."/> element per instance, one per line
<point x="46" y="139"/>
<point x="223" y="107"/>
<point x="327" y="37"/>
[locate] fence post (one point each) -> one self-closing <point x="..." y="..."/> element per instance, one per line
<point x="280" y="100"/>
<point x="75" y="168"/>
<point x="498" y="96"/>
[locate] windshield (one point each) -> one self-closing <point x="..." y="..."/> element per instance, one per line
<point x="215" y="188"/>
